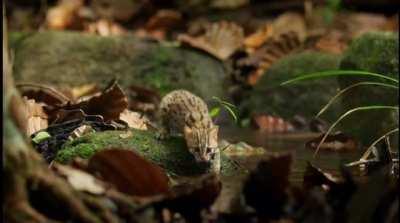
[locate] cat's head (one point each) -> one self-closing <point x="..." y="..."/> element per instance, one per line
<point x="202" y="142"/>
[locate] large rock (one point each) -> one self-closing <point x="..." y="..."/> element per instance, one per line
<point x="304" y="98"/>
<point x="378" y="53"/>
<point x="171" y="154"/>
<point x="68" y="58"/>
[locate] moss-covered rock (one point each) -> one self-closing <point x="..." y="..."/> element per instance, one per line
<point x="171" y="154"/>
<point x="68" y="58"/>
<point x="303" y="98"/>
<point x="378" y="53"/>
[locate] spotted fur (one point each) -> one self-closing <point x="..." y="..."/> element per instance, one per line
<point x="184" y="113"/>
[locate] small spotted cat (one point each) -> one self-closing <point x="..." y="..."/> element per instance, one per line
<point x="182" y="112"/>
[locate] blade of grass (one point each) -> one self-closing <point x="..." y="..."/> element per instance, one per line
<point x="334" y="73"/>
<point x="374" y="107"/>
<point x="215" y="111"/>
<point x="351" y="87"/>
<point x="232" y="113"/>
<point x="223" y="102"/>
<point x="369" y="150"/>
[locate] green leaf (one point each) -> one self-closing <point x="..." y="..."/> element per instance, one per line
<point x="363" y="108"/>
<point x="40" y="137"/>
<point x="351" y="87"/>
<point x="334" y="73"/>
<point x="215" y="111"/>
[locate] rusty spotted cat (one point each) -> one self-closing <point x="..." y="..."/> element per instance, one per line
<point x="182" y="112"/>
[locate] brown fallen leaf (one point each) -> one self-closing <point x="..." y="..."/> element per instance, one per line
<point x="105" y="27"/>
<point x="36" y="118"/>
<point x="220" y="39"/>
<point x="314" y="176"/>
<point x="129" y="172"/>
<point x="43" y="94"/>
<point x="271" y="124"/>
<point x="228" y="4"/>
<point x="63" y="15"/>
<point x="79" y="180"/>
<point x="121" y="10"/>
<point x="109" y="104"/>
<point x="190" y="199"/>
<point x="339" y="142"/>
<point x="272" y="51"/>
<point x="266" y="188"/>
<point x="164" y="19"/>
<point x="290" y="22"/>
<point x="143" y="99"/>
<point x="134" y="119"/>
<point x="78" y="92"/>
<point x="334" y="42"/>
<point x="258" y="38"/>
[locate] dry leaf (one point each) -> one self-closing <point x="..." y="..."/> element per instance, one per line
<point x="221" y="39"/>
<point x="164" y="19"/>
<point x="63" y="15"/>
<point x="266" y="187"/>
<point x="334" y="142"/>
<point x="290" y="22"/>
<point x="143" y="99"/>
<point x="314" y="176"/>
<point x="134" y="119"/>
<point x="258" y="38"/>
<point x="105" y="27"/>
<point x="333" y="42"/>
<point x="36" y="118"/>
<point x="83" y="90"/>
<point x="228" y="4"/>
<point x="151" y="34"/>
<point x="271" y="124"/>
<point x="121" y="10"/>
<point x="272" y="51"/>
<point x="43" y="93"/>
<point x="79" y="180"/>
<point x="129" y="172"/>
<point x="109" y="104"/>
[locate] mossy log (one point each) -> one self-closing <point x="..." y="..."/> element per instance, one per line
<point x="71" y="59"/>
<point x="171" y="154"/>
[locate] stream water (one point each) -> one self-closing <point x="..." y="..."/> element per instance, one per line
<point x="293" y="143"/>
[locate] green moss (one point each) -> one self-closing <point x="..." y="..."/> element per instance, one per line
<point x="170" y="154"/>
<point x="304" y="98"/>
<point x="69" y="58"/>
<point x="374" y="52"/>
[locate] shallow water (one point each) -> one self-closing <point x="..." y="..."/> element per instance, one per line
<point x="292" y="143"/>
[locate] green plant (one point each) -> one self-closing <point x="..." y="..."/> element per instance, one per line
<point x="331" y="8"/>
<point x="381" y="80"/>
<point x="223" y="104"/>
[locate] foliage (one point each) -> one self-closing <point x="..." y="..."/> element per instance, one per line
<point x="393" y="84"/>
<point x="224" y="104"/>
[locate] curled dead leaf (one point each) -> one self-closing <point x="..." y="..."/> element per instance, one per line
<point x="271" y="124"/>
<point x="63" y="15"/>
<point x="143" y="99"/>
<point x="266" y="187"/>
<point x="79" y="180"/>
<point x="109" y="104"/>
<point x="134" y="120"/>
<point x="290" y="22"/>
<point x="164" y="19"/>
<point x="221" y="39"/>
<point x="36" y="118"/>
<point x="272" y="51"/>
<point x="258" y="38"/>
<point x="339" y="142"/>
<point x="129" y="172"/>
<point x="314" y="176"/>
<point x="105" y="27"/>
